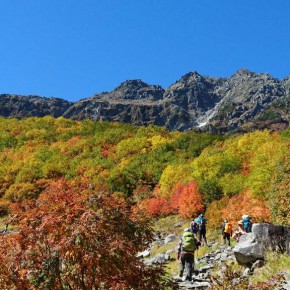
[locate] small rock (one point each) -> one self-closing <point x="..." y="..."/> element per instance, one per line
<point x="200" y="285"/>
<point x="247" y="272"/>
<point x="257" y="264"/>
<point x="177" y="225"/>
<point x="143" y="254"/>
<point x="169" y="239"/>
<point x="224" y="257"/>
<point x="205" y="268"/>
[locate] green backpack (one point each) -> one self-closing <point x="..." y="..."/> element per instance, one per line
<point x="188" y="242"/>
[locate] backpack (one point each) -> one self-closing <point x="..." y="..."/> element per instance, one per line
<point x="193" y="227"/>
<point x="228" y="228"/>
<point x="202" y="224"/>
<point x="188" y="242"/>
<point x="247" y="223"/>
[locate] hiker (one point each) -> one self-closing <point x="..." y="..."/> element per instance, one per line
<point x="227" y="231"/>
<point x="239" y="231"/>
<point x="247" y="223"/>
<point x="201" y="221"/>
<point x="194" y="227"/>
<point x="185" y="252"/>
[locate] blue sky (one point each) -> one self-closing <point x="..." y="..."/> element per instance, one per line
<point x="72" y="49"/>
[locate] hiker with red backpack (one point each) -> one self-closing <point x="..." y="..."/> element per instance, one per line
<point x="227" y="231"/>
<point x="185" y="252"/>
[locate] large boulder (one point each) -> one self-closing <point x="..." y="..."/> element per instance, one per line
<point x="253" y="246"/>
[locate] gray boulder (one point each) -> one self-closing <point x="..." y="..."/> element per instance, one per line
<point x="253" y="246"/>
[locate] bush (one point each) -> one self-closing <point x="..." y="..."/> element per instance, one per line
<point x="73" y="237"/>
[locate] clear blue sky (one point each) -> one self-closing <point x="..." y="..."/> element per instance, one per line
<point x="74" y="48"/>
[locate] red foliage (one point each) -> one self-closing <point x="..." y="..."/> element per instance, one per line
<point x="186" y="201"/>
<point x="72" y="237"/>
<point x="157" y="206"/>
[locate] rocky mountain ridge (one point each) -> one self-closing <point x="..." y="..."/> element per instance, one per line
<point x="243" y="102"/>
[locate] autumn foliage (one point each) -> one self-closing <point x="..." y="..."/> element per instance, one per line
<point x="72" y="237"/>
<point x="235" y="207"/>
<point x="150" y="166"/>
<point x="241" y="204"/>
<point x="190" y="201"/>
<point x="185" y="200"/>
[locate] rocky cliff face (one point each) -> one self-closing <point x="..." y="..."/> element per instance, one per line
<point x="243" y="102"/>
<point x="14" y="106"/>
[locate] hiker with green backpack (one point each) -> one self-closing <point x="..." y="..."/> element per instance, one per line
<point x="187" y="246"/>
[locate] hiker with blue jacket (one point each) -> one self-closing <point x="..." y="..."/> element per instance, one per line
<point x="185" y="252"/>
<point x="246" y="219"/>
<point x="201" y="222"/>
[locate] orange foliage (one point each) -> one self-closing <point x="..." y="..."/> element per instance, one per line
<point x="214" y="212"/>
<point x="241" y="204"/>
<point x="190" y="201"/>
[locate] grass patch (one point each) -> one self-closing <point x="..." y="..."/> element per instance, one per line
<point x="275" y="263"/>
<point x="167" y="224"/>
<point x="172" y="268"/>
<point x="164" y="248"/>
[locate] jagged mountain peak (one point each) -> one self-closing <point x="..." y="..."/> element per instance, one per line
<point x="244" y="72"/>
<point x="193" y="102"/>
<point x="134" y="83"/>
<point x="191" y="77"/>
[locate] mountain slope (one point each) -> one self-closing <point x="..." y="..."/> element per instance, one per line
<point x="243" y="102"/>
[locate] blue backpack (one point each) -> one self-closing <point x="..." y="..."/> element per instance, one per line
<point x="247" y="223"/>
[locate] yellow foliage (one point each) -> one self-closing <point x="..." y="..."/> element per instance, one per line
<point x="157" y="140"/>
<point x="171" y="176"/>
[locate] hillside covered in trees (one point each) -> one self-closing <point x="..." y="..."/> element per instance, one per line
<point x="57" y="173"/>
<point x="150" y="166"/>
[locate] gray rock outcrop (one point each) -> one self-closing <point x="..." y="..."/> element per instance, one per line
<point x="31" y="106"/>
<point x="253" y="246"/>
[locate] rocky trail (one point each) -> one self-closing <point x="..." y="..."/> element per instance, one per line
<point x="218" y="257"/>
<point x="202" y="278"/>
<point x="216" y="264"/>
